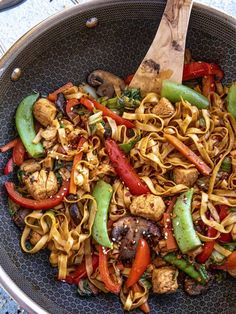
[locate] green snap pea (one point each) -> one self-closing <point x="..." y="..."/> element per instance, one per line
<point x="182" y="222"/>
<point x="102" y="194"/>
<point x="199" y="276"/>
<point x="175" y="92"/>
<point x="231" y="100"/>
<point x="25" y="126"/>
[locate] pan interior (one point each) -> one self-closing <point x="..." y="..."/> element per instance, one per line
<point x="68" y="51"/>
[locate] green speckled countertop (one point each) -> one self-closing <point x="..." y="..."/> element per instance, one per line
<point x="18" y="20"/>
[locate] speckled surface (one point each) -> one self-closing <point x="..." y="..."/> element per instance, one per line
<point x="13" y="23"/>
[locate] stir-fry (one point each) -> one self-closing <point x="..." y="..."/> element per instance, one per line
<point x="128" y="191"/>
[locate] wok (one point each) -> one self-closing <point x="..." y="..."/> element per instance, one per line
<point x="63" y="49"/>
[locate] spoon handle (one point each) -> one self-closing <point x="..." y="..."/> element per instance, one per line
<point x="165" y="57"/>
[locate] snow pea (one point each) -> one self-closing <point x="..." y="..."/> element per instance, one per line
<point x="231" y="100"/>
<point x="182" y="222"/>
<point x="25" y="126"/>
<point x="197" y="272"/>
<point x="102" y="194"/>
<point x="175" y="92"/>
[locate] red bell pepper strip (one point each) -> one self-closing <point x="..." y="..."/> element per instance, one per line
<point x="76" y="160"/>
<point x="128" y="79"/>
<point x="93" y="104"/>
<point x="69" y="107"/>
<point x="208" y="247"/>
<point x="195" y="70"/>
<point x="53" y="96"/>
<point x="124" y="169"/>
<point x="208" y="84"/>
<point x="81" y="272"/>
<point x="37" y="204"/>
<point x="168" y="233"/>
<point x="141" y="261"/>
<point x="145" y="306"/>
<point x="104" y="272"/>
<point x="189" y="154"/>
<point x="229" y="264"/>
<point x="8" y="146"/>
<point x="223" y="212"/>
<point x="9" y="167"/>
<point x="18" y="154"/>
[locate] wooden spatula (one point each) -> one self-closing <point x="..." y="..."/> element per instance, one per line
<point x="165" y="57"/>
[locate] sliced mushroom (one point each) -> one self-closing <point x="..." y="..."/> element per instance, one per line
<point x="128" y="230"/>
<point x="75" y="213"/>
<point x="61" y="103"/>
<point x="106" y="82"/>
<point x="19" y="217"/>
<point x="193" y="288"/>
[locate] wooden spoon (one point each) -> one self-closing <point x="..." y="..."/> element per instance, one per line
<point x="165" y="57"/>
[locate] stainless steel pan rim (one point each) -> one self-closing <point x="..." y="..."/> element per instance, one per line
<point x="25" y="301"/>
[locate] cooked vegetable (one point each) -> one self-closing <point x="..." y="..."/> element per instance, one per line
<point x="189" y="154"/>
<point x="37" y="204"/>
<point x="61" y="103"/>
<point x="195" y="70"/>
<point x="124" y="169"/>
<point x="193" y="288"/>
<point x="8" y="146"/>
<point x="71" y="103"/>
<point x="18" y="153"/>
<point x="126" y="147"/>
<point x="129" y="100"/>
<point x="80" y="272"/>
<point x="140" y="264"/>
<point x="187" y="267"/>
<point x="8" y="167"/>
<point x="25" y="126"/>
<point x="128" y="230"/>
<point x="93" y="104"/>
<point x="184" y="231"/>
<point x="53" y="96"/>
<point x="175" y="92"/>
<point x="229" y="263"/>
<point x="208" y="247"/>
<point x="106" y="82"/>
<point x="167" y="230"/>
<point x="102" y="193"/>
<point x="231" y="100"/>
<point x="104" y="272"/>
<point x="226" y="164"/>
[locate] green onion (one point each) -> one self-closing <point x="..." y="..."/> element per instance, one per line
<point x="226" y="165"/>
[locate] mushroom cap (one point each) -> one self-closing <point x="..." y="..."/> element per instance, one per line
<point x="128" y="230"/>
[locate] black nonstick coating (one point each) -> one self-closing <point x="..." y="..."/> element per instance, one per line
<point x="62" y="50"/>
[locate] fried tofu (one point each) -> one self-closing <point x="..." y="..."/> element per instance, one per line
<point x="148" y="206"/>
<point x="164" y="280"/>
<point x="185" y="176"/>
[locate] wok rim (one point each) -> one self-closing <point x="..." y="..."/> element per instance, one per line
<point x="11" y="54"/>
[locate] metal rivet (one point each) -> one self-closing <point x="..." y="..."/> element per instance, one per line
<point x="16" y="74"/>
<point x="92" y="22"/>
